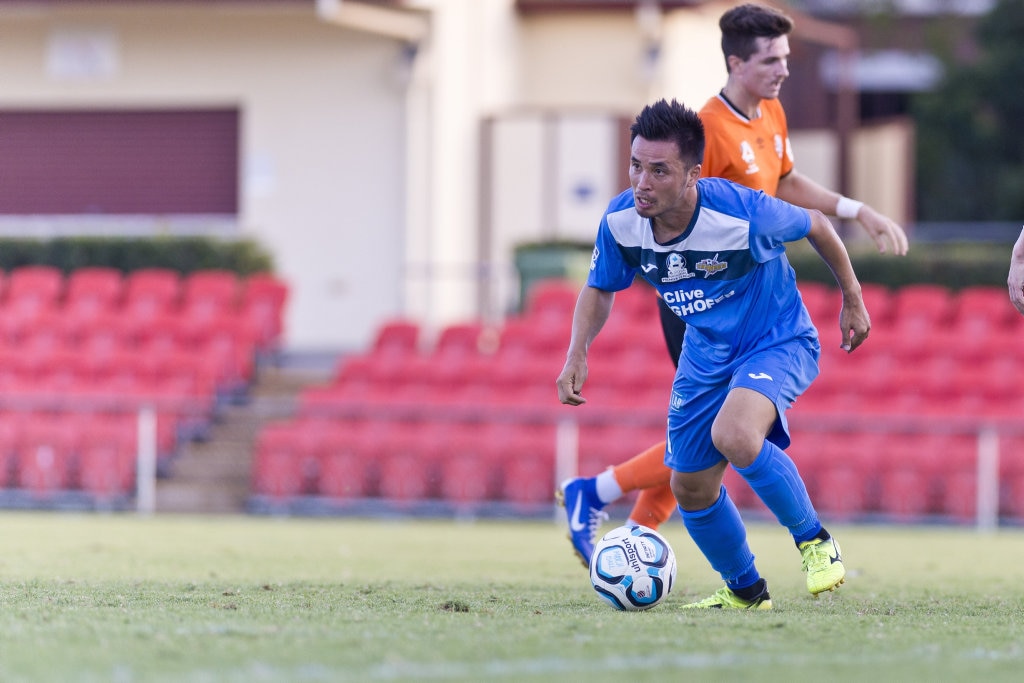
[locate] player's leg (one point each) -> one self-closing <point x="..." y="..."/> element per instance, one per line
<point x="710" y="516"/>
<point x="643" y="471"/>
<point x="719" y="532"/>
<point x="585" y="498"/>
<point x="751" y="432"/>
<point x="653" y="506"/>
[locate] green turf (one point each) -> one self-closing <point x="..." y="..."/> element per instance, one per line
<point x="120" y="598"/>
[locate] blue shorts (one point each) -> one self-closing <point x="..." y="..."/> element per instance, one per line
<point x="781" y="373"/>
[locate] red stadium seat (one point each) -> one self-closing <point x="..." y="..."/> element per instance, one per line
<point x="983" y="310"/>
<point x="409" y="468"/>
<point x="471" y="472"/>
<point x="396" y="338"/>
<point x="209" y="294"/>
<point x="92" y="291"/>
<point x="263" y="301"/>
<point x="526" y="337"/>
<point x="280" y="469"/>
<point x="821" y="301"/>
<point x="908" y="477"/>
<point x="459" y="339"/>
<point x="1011" y="476"/>
<point x="878" y="300"/>
<point x="528" y="457"/>
<point x="33" y="289"/>
<point x="845" y="469"/>
<point x="344" y="451"/>
<point x="107" y="459"/>
<point x="151" y="292"/>
<point x="958" y="483"/>
<point x="46" y="455"/>
<point x="921" y="309"/>
<point x="10" y="442"/>
<point x="551" y="299"/>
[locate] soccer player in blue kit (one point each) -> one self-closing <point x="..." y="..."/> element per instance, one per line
<point x="714" y="250"/>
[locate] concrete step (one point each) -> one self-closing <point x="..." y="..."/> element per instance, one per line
<point x="213" y="476"/>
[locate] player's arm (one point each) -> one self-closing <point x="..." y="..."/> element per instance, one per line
<point x="800" y="190"/>
<point x="1016" y="279"/>
<point x="854" y="322"/>
<point x="592" y="309"/>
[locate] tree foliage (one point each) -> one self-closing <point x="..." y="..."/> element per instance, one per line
<point x="970" y="152"/>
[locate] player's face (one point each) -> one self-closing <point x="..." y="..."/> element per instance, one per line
<point x="762" y="75"/>
<point x="659" y="177"/>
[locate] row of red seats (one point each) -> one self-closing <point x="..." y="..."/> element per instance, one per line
<point x="47" y="457"/>
<point x="32" y="297"/>
<point x="457" y="462"/>
<point x="544" y="326"/>
<point x="475" y="372"/>
<point x="902" y="476"/>
<point x="111" y="343"/>
<point x="226" y="347"/>
<point x="850" y="476"/>
<point x="920" y="308"/>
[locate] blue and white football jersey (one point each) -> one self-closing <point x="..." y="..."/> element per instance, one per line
<point x="727" y="275"/>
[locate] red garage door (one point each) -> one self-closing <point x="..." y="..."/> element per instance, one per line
<point x="119" y="162"/>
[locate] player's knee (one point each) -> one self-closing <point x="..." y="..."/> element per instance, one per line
<point x="693" y="492"/>
<point x="737" y="443"/>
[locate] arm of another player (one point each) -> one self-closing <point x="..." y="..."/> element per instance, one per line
<point x="854" y="322"/>
<point x="1016" y="279"/>
<point x="800" y="190"/>
<point x="592" y="309"/>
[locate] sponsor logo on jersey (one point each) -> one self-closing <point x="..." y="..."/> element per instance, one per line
<point x="710" y="266"/>
<point x="676" y="266"/>
<point x="747" y="154"/>
<point x="593" y="257"/>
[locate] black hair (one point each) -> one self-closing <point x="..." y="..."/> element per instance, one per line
<point x="671" y="121"/>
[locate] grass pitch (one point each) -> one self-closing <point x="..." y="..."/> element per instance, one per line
<point x="125" y="599"/>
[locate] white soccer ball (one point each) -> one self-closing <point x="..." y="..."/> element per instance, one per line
<point x="633" y="567"/>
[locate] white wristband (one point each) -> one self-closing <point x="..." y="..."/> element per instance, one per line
<point x="847" y="208"/>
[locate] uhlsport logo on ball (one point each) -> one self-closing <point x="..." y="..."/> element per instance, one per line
<point x="633" y="568"/>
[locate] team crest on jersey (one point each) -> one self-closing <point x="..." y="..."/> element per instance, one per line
<point x="593" y="257"/>
<point x="676" y="265"/>
<point x="711" y="266"/>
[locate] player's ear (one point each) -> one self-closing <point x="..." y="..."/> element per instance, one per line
<point x="693" y="174"/>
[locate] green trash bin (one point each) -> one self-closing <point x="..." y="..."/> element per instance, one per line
<point x="542" y="260"/>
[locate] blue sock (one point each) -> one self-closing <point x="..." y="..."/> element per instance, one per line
<point x="775" y="479"/>
<point x="719" y="533"/>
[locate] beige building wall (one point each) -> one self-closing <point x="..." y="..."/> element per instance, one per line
<point x="323" y="133"/>
<point x="363" y="167"/>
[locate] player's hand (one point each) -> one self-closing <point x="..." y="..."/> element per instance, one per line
<point x="1015" y="282"/>
<point x="886" y="233"/>
<point x="854" y="323"/>
<point x="570" y="383"/>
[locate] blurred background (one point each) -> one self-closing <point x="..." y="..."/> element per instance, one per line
<point x="418" y="165"/>
<point x="391" y="155"/>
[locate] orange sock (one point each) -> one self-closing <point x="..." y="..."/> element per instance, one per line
<point x="654" y="506"/>
<point x="643" y="470"/>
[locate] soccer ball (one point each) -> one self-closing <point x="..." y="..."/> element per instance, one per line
<point x="633" y="567"/>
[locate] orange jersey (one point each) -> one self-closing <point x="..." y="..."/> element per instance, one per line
<point x="751" y="152"/>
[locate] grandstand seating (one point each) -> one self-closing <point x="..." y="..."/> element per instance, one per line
<point x="81" y="353"/>
<point x="468" y="417"/>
